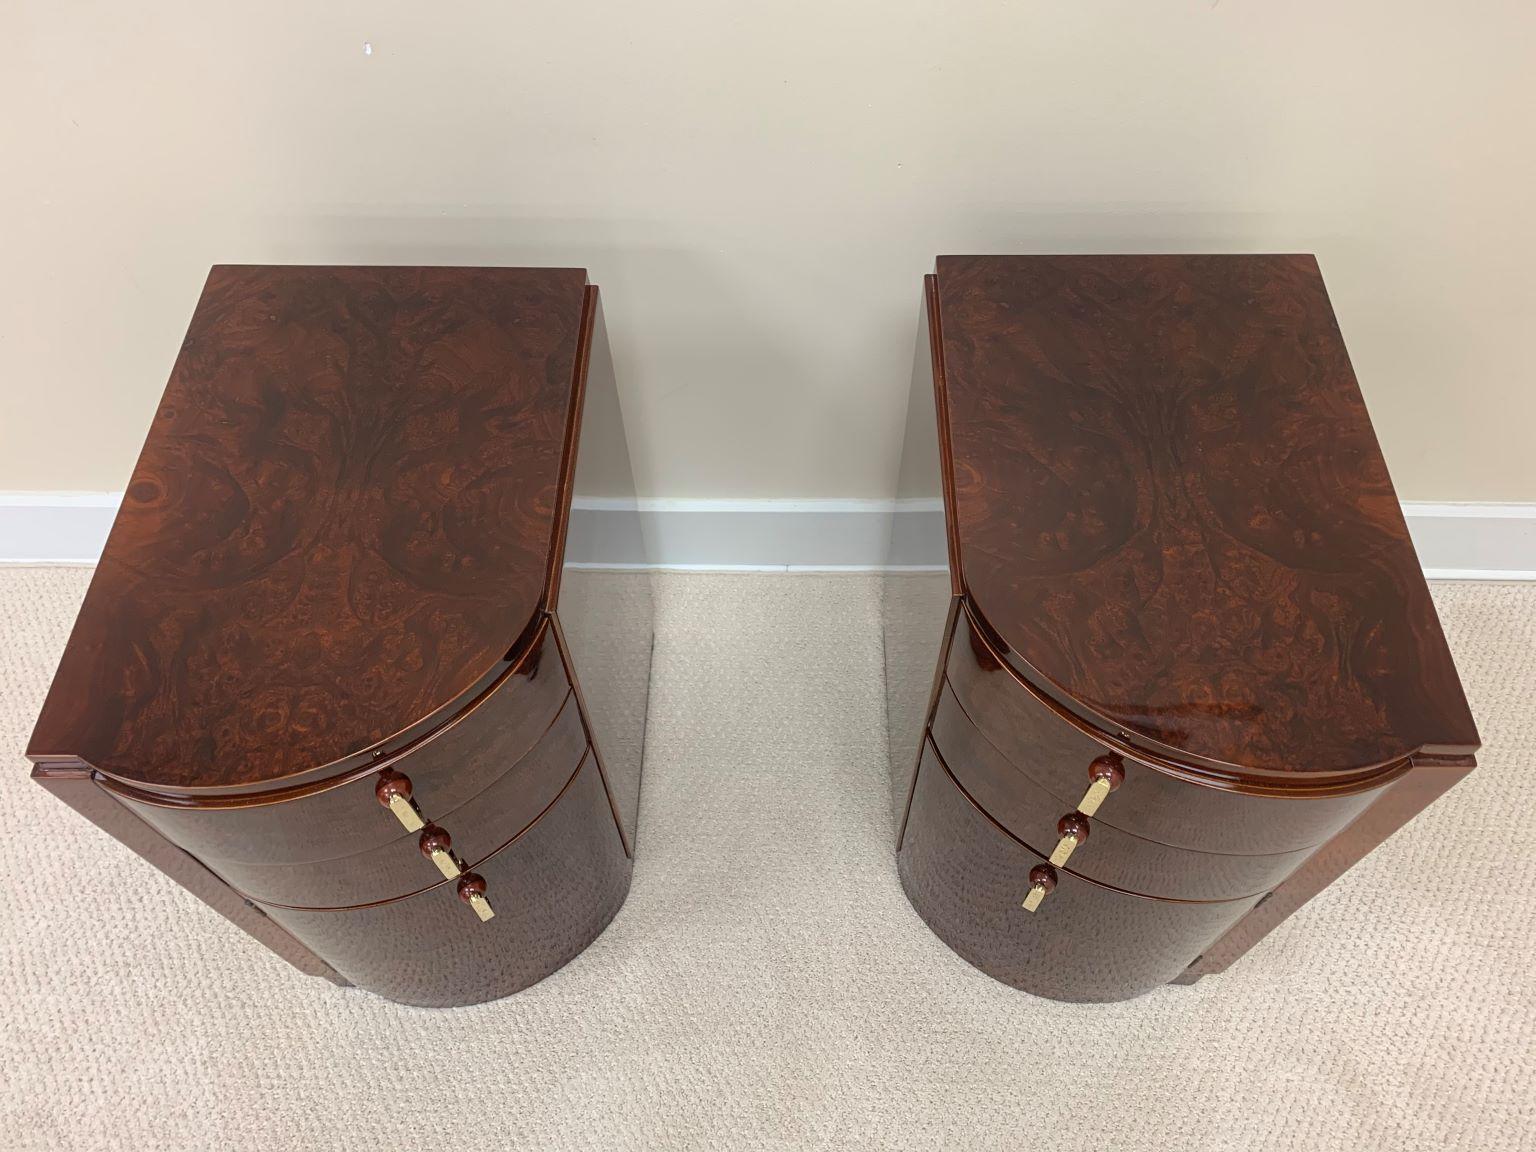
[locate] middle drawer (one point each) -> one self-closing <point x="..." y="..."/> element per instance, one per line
<point x="1107" y="854"/>
<point x="399" y="868"/>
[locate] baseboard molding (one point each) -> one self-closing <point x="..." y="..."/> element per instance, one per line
<point x="1474" y="541"/>
<point x="55" y="527"/>
<point x="1454" y="541"/>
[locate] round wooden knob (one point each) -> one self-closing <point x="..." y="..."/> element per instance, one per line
<point x="435" y="839"/>
<point x="471" y="884"/>
<point x="1073" y="824"/>
<point x="392" y="786"/>
<point x="1109" y="768"/>
<point x="1043" y="876"/>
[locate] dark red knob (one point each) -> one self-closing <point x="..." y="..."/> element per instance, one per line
<point x="471" y="884"/>
<point x="1043" y="876"/>
<point x="435" y="839"/>
<point x="392" y="786"/>
<point x="1108" y="767"/>
<point x="1073" y="824"/>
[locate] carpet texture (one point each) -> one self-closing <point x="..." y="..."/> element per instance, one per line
<point x="767" y="985"/>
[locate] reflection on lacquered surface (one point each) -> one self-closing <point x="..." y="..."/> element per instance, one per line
<point x="605" y="609"/>
<point x="456" y="763"/>
<point x="1034" y="815"/>
<point x="553" y="890"/>
<point x="917" y="594"/>
<point x="475" y="829"/>
<point x="967" y="879"/>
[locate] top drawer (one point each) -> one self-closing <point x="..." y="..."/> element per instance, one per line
<point x="448" y="767"/>
<point x="468" y="833"/>
<point x="1054" y="751"/>
<point x="1103" y="853"/>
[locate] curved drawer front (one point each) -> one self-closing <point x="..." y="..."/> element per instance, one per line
<point x="1056" y="753"/>
<point x="968" y="879"/>
<point x="475" y="829"/>
<point x="450" y="765"/>
<point x="1105" y="853"/>
<point x="552" y="891"/>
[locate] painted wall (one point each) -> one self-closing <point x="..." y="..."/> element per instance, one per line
<point x="758" y="188"/>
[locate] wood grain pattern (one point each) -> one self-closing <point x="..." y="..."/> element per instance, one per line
<point x="1108" y="855"/>
<point x="967" y="878"/>
<point x="1173" y="511"/>
<point x="336" y="568"/>
<point x="554" y="889"/>
<point x="340" y="817"/>
<point x="1177" y="552"/>
<point x="1055" y="750"/>
<point x="477" y="827"/>
<point x="340" y="523"/>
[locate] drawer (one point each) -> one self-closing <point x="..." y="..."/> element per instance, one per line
<point x="1108" y="855"/>
<point x="553" y="889"/>
<point x="968" y="878"/>
<point x="336" y="819"/>
<point x="1056" y="752"/>
<point x="475" y="829"/>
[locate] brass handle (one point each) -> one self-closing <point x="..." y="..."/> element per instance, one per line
<point x="437" y="846"/>
<point x="1105" y="775"/>
<point x="1073" y="830"/>
<point x="1042" y="880"/>
<point x="472" y="892"/>
<point x="394" y="792"/>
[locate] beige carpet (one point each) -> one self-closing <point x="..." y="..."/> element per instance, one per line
<point x="767" y="985"/>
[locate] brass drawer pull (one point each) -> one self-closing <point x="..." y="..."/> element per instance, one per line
<point x="1106" y="774"/>
<point x="1073" y="830"/>
<point x="437" y="846"/>
<point x="1042" y="880"/>
<point x="472" y="892"/>
<point x="394" y="792"/>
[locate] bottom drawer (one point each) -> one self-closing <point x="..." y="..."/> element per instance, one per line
<point x="968" y="878"/>
<point x="553" y="889"/>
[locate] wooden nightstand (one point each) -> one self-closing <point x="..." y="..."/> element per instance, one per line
<point x="1161" y="662"/>
<point x="338" y="671"/>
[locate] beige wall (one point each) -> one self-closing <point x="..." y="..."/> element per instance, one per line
<point x="759" y="187"/>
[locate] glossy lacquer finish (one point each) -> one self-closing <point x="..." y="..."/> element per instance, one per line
<point x="477" y="827"/>
<point x="341" y="817"/>
<point x="1173" y="511"/>
<point x="1186" y="626"/>
<point x="918" y="592"/>
<point x="1045" y="742"/>
<point x="603" y="598"/>
<point x="339" y="524"/>
<point x="1107" y="854"/>
<point x="553" y="889"/>
<point x="966" y="877"/>
<point x="337" y="663"/>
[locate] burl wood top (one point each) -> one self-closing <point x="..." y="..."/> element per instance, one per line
<point x="1172" y="508"/>
<point x="340" y="522"/>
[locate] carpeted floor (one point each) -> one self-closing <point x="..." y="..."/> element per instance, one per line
<point x="767" y="984"/>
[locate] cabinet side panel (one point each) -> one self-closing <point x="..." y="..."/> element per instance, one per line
<point x="79" y="790"/>
<point x="604" y="604"/>
<point x="1398" y="804"/>
<point x="917" y="591"/>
